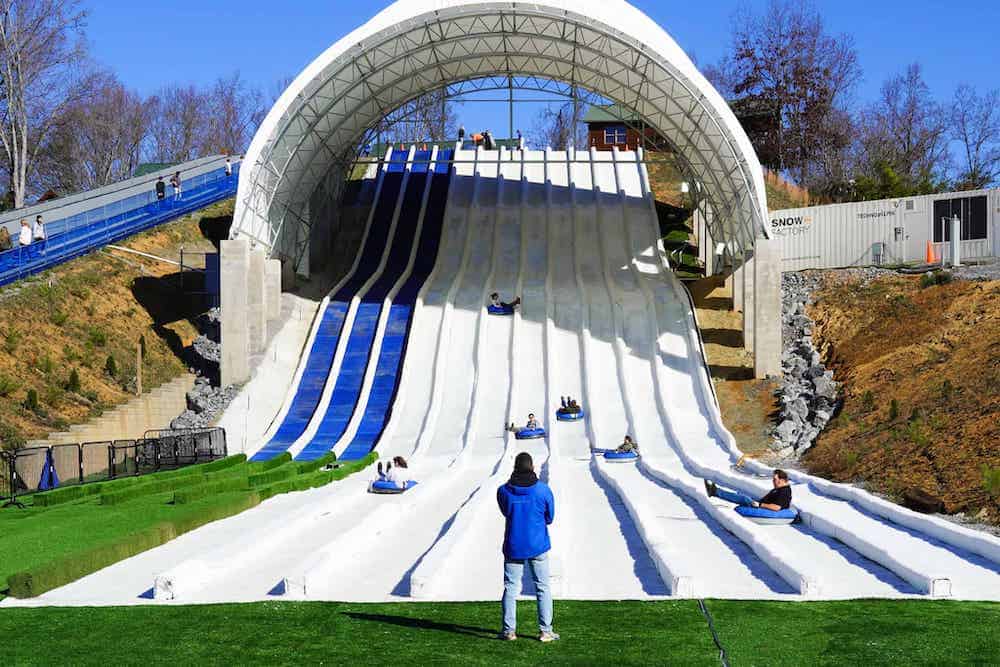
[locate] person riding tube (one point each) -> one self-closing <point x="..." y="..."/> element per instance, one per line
<point x="776" y="503"/>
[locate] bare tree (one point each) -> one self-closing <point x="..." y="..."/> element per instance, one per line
<point x="236" y="109"/>
<point x="428" y="118"/>
<point x="903" y="140"/>
<point x="40" y="42"/>
<point x="975" y="124"/>
<point x="180" y="114"/>
<point x="561" y="126"/>
<point x="98" y="139"/>
<point x="790" y="82"/>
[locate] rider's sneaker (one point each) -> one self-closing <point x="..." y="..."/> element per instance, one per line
<point x="710" y="488"/>
<point x="507" y="636"/>
<point x="546" y="637"/>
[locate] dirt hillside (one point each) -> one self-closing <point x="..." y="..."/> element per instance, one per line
<point x="60" y="330"/>
<point x="921" y="373"/>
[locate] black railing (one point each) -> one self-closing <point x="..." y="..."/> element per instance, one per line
<point x="27" y="471"/>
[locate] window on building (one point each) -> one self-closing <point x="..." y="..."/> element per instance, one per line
<point x="615" y="135"/>
<point x="972" y="211"/>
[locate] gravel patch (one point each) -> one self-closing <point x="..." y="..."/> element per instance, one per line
<point x="206" y="400"/>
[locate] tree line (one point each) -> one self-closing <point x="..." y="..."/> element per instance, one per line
<point x="792" y="84"/>
<point x="67" y="124"/>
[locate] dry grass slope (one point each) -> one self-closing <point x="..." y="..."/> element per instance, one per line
<point x="59" y="329"/>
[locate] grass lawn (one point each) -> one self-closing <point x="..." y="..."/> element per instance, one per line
<point x="618" y="633"/>
<point x="93" y="532"/>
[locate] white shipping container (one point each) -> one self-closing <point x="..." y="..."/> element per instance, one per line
<point x="888" y="231"/>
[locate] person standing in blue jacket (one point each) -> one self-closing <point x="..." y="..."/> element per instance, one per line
<point x="529" y="508"/>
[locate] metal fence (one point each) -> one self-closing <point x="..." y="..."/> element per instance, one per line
<point x="29" y="470"/>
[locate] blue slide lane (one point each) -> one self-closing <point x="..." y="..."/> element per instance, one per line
<point x="397" y="331"/>
<point x="350" y="379"/>
<point x="324" y="348"/>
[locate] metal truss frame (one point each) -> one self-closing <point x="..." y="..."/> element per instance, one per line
<point x="467" y="48"/>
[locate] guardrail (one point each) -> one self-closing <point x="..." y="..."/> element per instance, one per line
<point x="83" y="232"/>
<point x="34" y="469"/>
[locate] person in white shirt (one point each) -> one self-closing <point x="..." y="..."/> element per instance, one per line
<point x="229" y="168"/>
<point x="39" y="231"/>
<point x="25" y="237"/>
<point x="396" y="471"/>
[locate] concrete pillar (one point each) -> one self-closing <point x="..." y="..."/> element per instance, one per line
<point x="748" y="302"/>
<point x="234" y="269"/>
<point x="736" y="281"/>
<point x="256" y="313"/>
<point x="272" y="289"/>
<point x="767" y="308"/>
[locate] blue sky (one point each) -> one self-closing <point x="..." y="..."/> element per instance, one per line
<point x="189" y="41"/>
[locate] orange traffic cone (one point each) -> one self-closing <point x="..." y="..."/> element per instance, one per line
<point x="931" y="258"/>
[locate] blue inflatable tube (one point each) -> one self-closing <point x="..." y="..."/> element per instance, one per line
<point x="768" y="517"/>
<point x="384" y="486"/>
<point x="530" y="433"/>
<point x="500" y="310"/>
<point x="570" y="416"/>
<point x="620" y="456"/>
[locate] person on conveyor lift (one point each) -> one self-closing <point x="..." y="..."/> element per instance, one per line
<point x="777" y="499"/>
<point x="396" y="471"/>
<point x="628" y="446"/>
<point x="531" y="425"/>
<point x="497" y="303"/>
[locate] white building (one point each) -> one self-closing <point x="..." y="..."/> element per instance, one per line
<point x="888" y="231"/>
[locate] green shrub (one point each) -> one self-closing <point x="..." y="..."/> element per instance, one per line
<point x="45" y="364"/>
<point x="991" y="481"/>
<point x="61" y="495"/>
<point x="37" y="580"/>
<point x="8" y="385"/>
<point x="313" y="466"/>
<point x="152" y="487"/>
<point x="10" y="437"/>
<point x="927" y="280"/>
<point x="264" y="466"/>
<point x="111" y="366"/>
<point x="73" y="383"/>
<point x="893" y="410"/>
<point x="273" y="475"/>
<point x="58" y="318"/>
<point x="935" y="278"/>
<point x="868" y="401"/>
<point x="195" y="493"/>
<point x="11" y="339"/>
<point x="31" y="401"/>
<point x="96" y="337"/>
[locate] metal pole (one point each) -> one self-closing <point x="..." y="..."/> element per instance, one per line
<point x="510" y="106"/>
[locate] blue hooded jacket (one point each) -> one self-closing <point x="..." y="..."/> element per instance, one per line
<point x="529" y="510"/>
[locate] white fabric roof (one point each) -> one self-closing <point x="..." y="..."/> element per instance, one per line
<point x="414" y="46"/>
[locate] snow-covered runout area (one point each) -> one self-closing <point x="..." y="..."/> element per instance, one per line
<point x="603" y="320"/>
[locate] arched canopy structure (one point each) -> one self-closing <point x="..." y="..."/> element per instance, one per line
<point x="307" y="142"/>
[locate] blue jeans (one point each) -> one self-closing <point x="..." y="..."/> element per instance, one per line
<point x="734" y="497"/>
<point x="513" y="570"/>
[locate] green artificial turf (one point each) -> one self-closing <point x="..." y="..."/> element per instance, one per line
<point x="352" y="634"/>
<point x="859" y="632"/>
<point x="91" y="529"/>
<point x="593" y="633"/>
